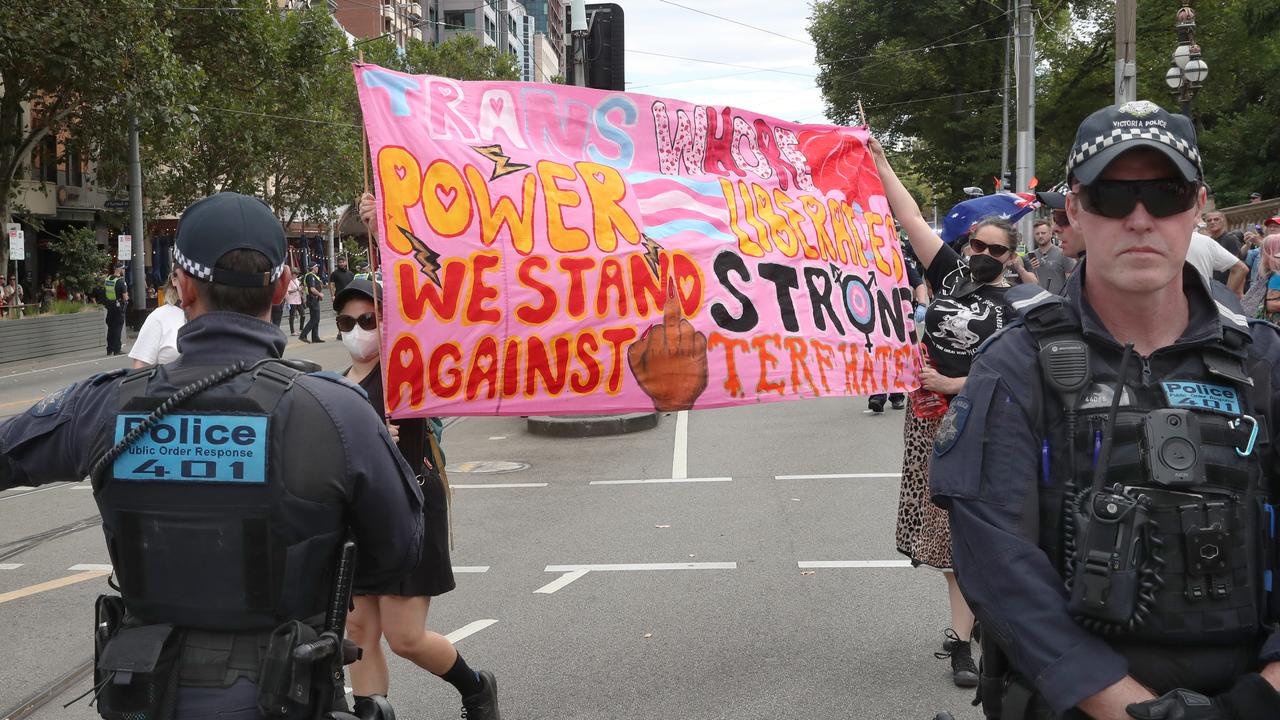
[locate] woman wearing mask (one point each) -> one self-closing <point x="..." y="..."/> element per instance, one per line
<point x="968" y="308"/>
<point x="157" y="341"/>
<point x="398" y="610"/>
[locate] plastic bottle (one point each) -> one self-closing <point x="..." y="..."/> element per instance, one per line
<point x="927" y="404"/>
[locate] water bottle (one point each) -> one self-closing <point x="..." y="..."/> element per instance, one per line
<point x="927" y="404"/>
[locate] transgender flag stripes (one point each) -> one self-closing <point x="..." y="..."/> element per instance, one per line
<point x="670" y="205"/>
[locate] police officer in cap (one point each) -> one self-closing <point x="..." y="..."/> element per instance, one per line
<point x="1109" y="467"/>
<point x="228" y="481"/>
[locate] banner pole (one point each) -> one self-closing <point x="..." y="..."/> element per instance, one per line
<point x="862" y="113"/>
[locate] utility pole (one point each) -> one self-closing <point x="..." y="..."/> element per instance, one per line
<point x="138" y="278"/>
<point x="579" y="28"/>
<point x="1026" y="79"/>
<point x="1126" y="51"/>
<point x="1004" y="99"/>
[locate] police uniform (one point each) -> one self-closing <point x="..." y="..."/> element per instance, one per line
<point x="227" y="482"/>
<point x="1165" y="573"/>
<point x="113" y="290"/>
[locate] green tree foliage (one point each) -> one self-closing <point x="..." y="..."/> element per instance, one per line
<point x="83" y="262"/>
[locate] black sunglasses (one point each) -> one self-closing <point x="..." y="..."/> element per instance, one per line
<point x="997" y="250"/>
<point x="367" y="321"/>
<point x="1117" y="198"/>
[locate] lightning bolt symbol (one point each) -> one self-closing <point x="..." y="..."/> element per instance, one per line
<point x="651" y="251"/>
<point x="428" y="259"/>
<point x="502" y="164"/>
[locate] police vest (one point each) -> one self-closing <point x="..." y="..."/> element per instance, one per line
<point x="201" y="529"/>
<point x="110" y="287"/>
<point x="1206" y="486"/>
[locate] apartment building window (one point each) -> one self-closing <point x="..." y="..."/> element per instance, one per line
<point x="460" y="20"/>
<point x="75" y="177"/>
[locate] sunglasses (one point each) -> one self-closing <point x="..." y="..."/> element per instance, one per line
<point x="1117" y="198"/>
<point x="367" y="321"/>
<point x="996" y="250"/>
<point x="1060" y="218"/>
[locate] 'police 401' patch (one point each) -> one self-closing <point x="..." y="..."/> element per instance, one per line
<point x="951" y="425"/>
<point x="194" y="448"/>
<point x="1202" y="396"/>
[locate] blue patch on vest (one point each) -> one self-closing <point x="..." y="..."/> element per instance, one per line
<point x="194" y="448"/>
<point x="1202" y="396"/>
<point x="952" y="425"/>
<point x="51" y="404"/>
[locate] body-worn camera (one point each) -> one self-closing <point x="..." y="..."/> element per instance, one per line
<point x="1171" y="447"/>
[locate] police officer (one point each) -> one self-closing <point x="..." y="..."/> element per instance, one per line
<point x="313" y="293"/>
<point x="227" y="480"/>
<point x="1109" y="466"/>
<point x="115" y="293"/>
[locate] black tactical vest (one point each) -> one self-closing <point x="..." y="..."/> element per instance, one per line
<point x="202" y="530"/>
<point x="1210" y="531"/>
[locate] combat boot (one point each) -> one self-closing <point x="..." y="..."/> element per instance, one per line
<point x="964" y="673"/>
<point x="484" y="704"/>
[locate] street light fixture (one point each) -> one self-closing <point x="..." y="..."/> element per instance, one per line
<point x="1189" y="70"/>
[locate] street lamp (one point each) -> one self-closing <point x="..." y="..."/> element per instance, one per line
<point x="1189" y="71"/>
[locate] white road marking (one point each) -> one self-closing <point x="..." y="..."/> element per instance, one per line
<point x="497" y="437"/>
<point x="37" y="490"/>
<point x="680" y="457"/>
<point x="497" y="486"/>
<point x="471" y="568"/>
<point x="560" y="582"/>
<point x="661" y="480"/>
<point x="81" y="487"/>
<point x="91" y="567"/>
<point x="818" y="564"/>
<point x="10" y="566"/>
<point x="645" y="566"/>
<point x="838" y="476"/>
<point x="54" y="367"/>
<point x="468" y="630"/>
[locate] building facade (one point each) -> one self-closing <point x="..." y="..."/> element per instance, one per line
<point x="401" y="19"/>
<point x="549" y="17"/>
<point x="546" y="59"/>
<point x="464" y="17"/>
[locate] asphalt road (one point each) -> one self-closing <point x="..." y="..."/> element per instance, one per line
<point x="591" y="595"/>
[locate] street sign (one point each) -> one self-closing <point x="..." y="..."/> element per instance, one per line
<point x="115" y="204"/>
<point x="124" y="247"/>
<point x="18" y="246"/>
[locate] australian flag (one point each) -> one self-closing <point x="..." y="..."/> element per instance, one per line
<point x="1007" y="206"/>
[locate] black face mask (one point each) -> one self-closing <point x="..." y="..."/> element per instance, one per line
<point x="984" y="268"/>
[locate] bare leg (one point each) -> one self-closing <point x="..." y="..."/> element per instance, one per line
<point x="404" y="621"/>
<point x="369" y="675"/>
<point x="961" y="615"/>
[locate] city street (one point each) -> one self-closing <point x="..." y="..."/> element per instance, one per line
<point x="753" y="576"/>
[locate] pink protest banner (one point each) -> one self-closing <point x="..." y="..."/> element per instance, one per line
<point x="551" y="250"/>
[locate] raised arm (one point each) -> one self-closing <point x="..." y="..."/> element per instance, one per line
<point x="923" y="240"/>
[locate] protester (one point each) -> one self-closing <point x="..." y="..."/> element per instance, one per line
<point x="293" y="298"/>
<point x="1255" y="198"/>
<point x="968" y="308"/>
<point x="1215" y="224"/>
<point x="1210" y="258"/>
<point x="1271" y="225"/>
<point x="1263" y="298"/>
<point x="157" y="341"/>
<point x="13" y="294"/>
<point x="1049" y="264"/>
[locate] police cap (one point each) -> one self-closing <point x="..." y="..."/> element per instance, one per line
<point x="218" y="224"/>
<point x="1116" y="129"/>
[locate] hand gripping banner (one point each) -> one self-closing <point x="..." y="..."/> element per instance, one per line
<point x="550" y="250"/>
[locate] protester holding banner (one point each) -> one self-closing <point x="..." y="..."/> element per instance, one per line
<point x="398" y="610"/>
<point x="968" y="308"/>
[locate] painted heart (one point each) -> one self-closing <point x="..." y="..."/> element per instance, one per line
<point x="400" y="171"/>
<point x="447" y="198"/>
<point x="599" y="177"/>
<point x="496" y="103"/>
<point x="686" y="287"/>
<point x="407" y="358"/>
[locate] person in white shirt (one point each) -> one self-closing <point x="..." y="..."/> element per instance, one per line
<point x="1208" y="257"/>
<point x="157" y="341"/>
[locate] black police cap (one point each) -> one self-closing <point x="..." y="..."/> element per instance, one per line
<point x="218" y="224"/>
<point x="361" y="288"/>
<point x="1115" y="129"/>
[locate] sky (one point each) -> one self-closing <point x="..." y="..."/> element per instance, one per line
<point x="663" y="26"/>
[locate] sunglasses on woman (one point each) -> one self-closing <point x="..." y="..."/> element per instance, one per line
<point x="1117" y="198"/>
<point x="367" y="321"/>
<point x="995" y="249"/>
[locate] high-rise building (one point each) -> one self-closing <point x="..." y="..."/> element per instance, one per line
<point x="399" y="19"/>
<point x="466" y="17"/>
<point x="546" y="59"/>
<point x="549" y="16"/>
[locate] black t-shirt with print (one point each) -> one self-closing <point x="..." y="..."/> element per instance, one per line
<point x="955" y="327"/>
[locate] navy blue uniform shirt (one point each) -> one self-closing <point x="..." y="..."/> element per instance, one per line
<point x="62" y="436"/>
<point x="985" y="470"/>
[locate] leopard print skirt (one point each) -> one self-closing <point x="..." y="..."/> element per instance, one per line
<point x="923" y="533"/>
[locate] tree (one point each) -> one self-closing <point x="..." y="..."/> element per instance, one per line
<point x="82" y="69"/>
<point x="83" y="261"/>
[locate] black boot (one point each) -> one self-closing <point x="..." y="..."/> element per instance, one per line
<point x="484" y="704"/>
<point x="964" y="673"/>
<point x="876" y="404"/>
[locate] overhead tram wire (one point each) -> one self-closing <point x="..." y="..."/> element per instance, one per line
<point x="736" y="22"/>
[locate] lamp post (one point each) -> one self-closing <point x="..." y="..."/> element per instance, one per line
<point x="1189" y="71"/>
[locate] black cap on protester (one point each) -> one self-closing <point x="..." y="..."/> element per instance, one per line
<point x="218" y="224"/>
<point x="1053" y="200"/>
<point x="360" y="287"/>
<point x="1115" y="129"/>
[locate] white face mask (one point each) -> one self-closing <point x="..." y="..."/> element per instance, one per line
<point x="361" y="343"/>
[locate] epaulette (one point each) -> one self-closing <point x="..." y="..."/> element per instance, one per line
<point x="107" y="376"/>
<point x="338" y="379"/>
